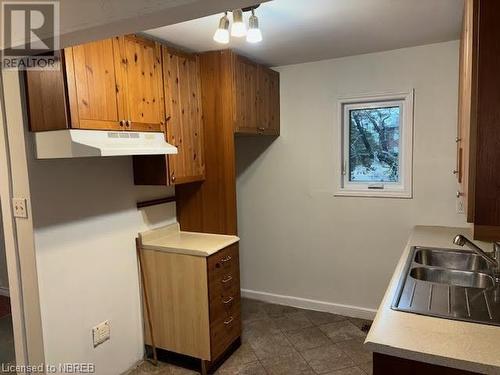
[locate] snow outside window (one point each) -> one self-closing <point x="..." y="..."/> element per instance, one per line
<point x="376" y="145"/>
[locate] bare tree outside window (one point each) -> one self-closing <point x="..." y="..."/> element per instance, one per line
<point x="374" y="135"/>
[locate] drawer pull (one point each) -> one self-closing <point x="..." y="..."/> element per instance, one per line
<point x="226" y="259"/>
<point x="229" y="300"/>
<point x="227" y="279"/>
<point x="228" y="321"/>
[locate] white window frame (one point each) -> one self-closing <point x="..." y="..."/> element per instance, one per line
<point x="401" y="189"/>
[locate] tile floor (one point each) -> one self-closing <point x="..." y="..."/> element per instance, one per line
<point x="7" y="354"/>
<point x="282" y="340"/>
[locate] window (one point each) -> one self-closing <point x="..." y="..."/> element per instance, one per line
<point x="376" y="149"/>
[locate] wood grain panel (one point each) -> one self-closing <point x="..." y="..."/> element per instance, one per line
<point x="487" y="163"/>
<point x="269" y="102"/>
<point x="183" y="107"/>
<point x="467" y="124"/>
<point x="47" y="105"/>
<point x="211" y="206"/>
<point x="178" y="295"/>
<point x="95" y="83"/>
<point x="246" y="99"/>
<point x="140" y="72"/>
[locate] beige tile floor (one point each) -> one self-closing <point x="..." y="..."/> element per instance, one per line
<point x="282" y="340"/>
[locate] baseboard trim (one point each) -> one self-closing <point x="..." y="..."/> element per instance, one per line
<point x="310" y="304"/>
<point x="4" y="291"/>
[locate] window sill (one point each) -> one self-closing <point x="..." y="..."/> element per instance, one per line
<point x="374" y="194"/>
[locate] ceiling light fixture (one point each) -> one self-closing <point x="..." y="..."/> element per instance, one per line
<point x="238" y="29"/>
<point x="222" y="33"/>
<point x="254" y="34"/>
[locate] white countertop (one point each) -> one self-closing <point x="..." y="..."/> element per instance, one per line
<point x="171" y="239"/>
<point x="451" y="343"/>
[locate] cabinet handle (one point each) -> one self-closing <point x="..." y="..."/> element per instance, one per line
<point x="228" y="321"/>
<point x="227" y="279"/>
<point x="229" y="300"/>
<point x="455" y="171"/>
<point x="458" y="139"/>
<point x="459" y="194"/>
<point x="128" y="123"/>
<point x="122" y="123"/>
<point x="226" y="259"/>
<point x="261" y="129"/>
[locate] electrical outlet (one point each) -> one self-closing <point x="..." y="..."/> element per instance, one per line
<point x="460" y="206"/>
<point x="101" y="333"/>
<point x="19" y="205"/>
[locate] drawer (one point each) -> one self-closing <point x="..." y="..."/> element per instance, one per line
<point x="224" y="330"/>
<point x="223" y="302"/>
<point x="223" y="261"/>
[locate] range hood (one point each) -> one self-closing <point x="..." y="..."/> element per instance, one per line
<point x="77" y="143"/>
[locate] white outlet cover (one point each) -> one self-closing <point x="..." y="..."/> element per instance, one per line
<point x="19" y="207"/>
<point x="101" y="333"/>
<point x="460" y="206"/>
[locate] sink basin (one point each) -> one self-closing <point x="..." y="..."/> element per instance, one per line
<point x="453" y="277"/>
<point x="458" y="260"/>
<point x="449" y="284"/>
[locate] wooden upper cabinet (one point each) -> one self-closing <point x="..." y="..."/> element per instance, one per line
<point x="139" y="77"/>
<point x="94" y="96"/>
<point x="184" y="125"/>
<point x="182" y="86"/>
<point x="478" y="151"/>
<point x="256" y="98"/>
<point x="246" y="84"/>
<point x="111" y="84"/>
<point x="269" y="101"/>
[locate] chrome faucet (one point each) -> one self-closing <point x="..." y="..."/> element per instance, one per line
<point x="493" y="258"/>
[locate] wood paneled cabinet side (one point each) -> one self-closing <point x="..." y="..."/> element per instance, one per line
<point x="478" y="152"/>
<point x="269" y="101"/>
<point x="184" y="126"/>
<point x="466" y="149"/>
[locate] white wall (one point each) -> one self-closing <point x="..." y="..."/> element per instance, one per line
<point x="4" y="281"/>
<point x="297" y="239"/>
<point x="85" y="225"/>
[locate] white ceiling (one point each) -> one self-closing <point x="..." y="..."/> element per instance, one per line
<point x="297" y="31"/>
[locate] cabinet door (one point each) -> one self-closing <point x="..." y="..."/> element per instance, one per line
<point x="183" y="110"/>
<point x="465" y="169"/>
<point x="94" y="97"/>
<point x="269" y="101"/>
<point x="138" y="70"/>
<point x="246" y="100"/>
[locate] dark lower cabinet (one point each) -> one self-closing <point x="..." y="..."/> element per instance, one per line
<point x="388" y="365"/>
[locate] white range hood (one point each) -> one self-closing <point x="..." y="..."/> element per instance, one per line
<point x="76" y="143"/>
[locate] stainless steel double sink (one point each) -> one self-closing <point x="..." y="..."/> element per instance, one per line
<point x="449" y="284"/>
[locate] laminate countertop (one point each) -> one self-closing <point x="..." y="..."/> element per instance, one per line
<point x="172" y="240"/>
<point x="463" y="345"/>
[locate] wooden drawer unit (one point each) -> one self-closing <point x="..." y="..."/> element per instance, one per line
<point x="195" y="301"/>
<point x="224" y="299"/>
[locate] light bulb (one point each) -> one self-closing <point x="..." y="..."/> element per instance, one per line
<point x="238" y="29"/>
<point x="254" y="34"/>
<point x="222" y="33"/>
